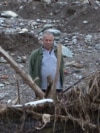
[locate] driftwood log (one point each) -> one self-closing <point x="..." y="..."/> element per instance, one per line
<point x="25" y="76"/>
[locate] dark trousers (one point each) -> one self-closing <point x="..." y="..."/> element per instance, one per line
<point x="57" y="90"/>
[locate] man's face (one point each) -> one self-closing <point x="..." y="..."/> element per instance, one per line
<point x="48" y="41"/>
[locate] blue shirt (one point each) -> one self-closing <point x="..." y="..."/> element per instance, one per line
<point x="49" y="66"/>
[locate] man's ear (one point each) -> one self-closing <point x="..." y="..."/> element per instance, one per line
<point x="41" y="41"/>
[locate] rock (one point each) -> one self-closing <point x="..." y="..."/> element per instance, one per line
<point x="47" y="26"/>
<point x="4" y="77"/>
<point x="24" y="30"/>
<point x="69" y="63"/>
<point x="97" y="46"/>
<point x="85" y="22"/>
<point x="1" y="20"/>
<point x="2" y="60"/>
<point x="77" y="76"/>
<point x="66" y="52"/>
<point x="8" y="14"/>
<point x="24" y="59"/>
<point x="54" y="31"/>
<point x="46" y="1"/>
<point x="88" y="38"/>
<point x="74" y="40"/>
<point x="77" y="65"/>
<point x="21" y="59"/>
<point x="85" y="1"/>
<point x="1" y="85"/>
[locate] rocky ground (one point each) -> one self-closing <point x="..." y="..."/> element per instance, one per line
<point x="75" y="24"/>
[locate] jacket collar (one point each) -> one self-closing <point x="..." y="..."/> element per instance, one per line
<point x="41" y="49"/>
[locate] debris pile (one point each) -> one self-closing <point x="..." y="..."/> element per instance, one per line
<point x="77" y="110"/>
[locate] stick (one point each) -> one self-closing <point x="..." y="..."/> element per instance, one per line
<point x="73" y="84"/>
<point x="18" y="91"/>
<point x="25" y="77"/>
<point x="53" y="88"/>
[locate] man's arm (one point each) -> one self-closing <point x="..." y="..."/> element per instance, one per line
<point x="31" y="65"/>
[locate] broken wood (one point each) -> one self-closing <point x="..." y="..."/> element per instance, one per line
<point x="24" y="76"/>
<point x="33" y="103"/>
<point x="52" y="93"/>
<point x="50" y="82"/>
<point x="18" y="91"/>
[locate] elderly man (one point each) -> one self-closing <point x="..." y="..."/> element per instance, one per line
<point x="43" y="62"/>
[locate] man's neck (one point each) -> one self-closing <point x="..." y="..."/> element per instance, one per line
<point x="48" y="49"/>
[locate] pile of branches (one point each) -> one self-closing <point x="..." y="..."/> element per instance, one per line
<point x="82" y="105"/>
<point x="79" y="108"/>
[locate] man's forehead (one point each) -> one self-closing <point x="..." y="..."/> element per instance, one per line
<point x="48" y="36"/>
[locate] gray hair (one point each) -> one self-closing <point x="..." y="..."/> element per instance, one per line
<point x="47" y="33"/>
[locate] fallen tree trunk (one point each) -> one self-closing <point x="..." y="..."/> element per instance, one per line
<point x="25" y="76"/>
